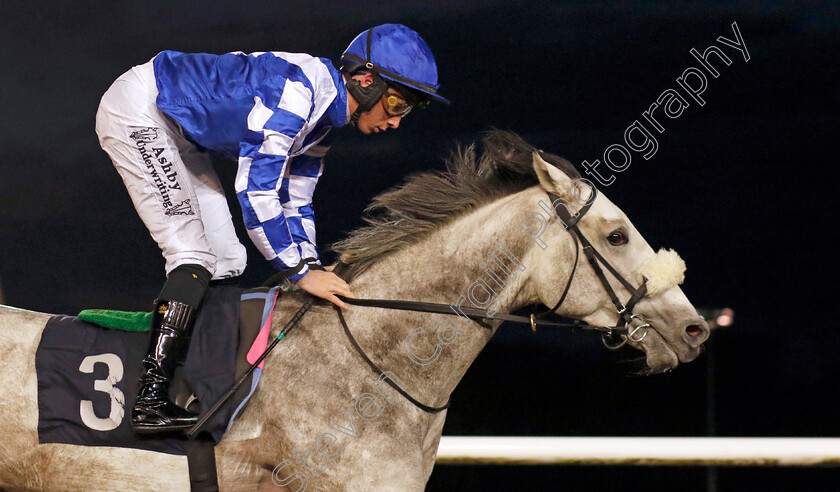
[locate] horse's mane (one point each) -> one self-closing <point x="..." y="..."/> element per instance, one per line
<point x="410" y="212"/>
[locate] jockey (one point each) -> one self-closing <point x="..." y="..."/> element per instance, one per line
<point x="273" y="113"/>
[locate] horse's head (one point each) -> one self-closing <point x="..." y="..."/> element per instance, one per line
<point x="667" y="327"/>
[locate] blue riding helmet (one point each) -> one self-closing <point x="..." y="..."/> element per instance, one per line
<point x="396" y="53"/>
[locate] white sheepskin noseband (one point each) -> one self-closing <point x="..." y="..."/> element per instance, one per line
<point x="663" y="271"/>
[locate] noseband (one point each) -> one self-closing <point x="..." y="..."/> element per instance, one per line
<point x="614" y="337"/>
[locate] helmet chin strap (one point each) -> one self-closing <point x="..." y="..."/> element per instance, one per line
<point x="366" y="97"/>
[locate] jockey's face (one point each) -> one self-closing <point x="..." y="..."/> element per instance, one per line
<point x="378" y="119"/>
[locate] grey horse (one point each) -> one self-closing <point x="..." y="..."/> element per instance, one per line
<point x="476" y="235"/>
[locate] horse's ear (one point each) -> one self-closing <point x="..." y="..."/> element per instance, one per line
<point x="552" y="179"/>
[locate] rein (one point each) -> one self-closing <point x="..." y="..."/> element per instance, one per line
<point x="478" y="315"/>
<point x="379" y="372"/>
<point x="613" y="337"/>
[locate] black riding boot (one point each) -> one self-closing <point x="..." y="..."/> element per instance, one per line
<point x="170" y="334"/>
<point x="172" y="323"/>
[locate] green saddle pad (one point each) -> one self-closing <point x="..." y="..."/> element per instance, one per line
<point x="118" y="320"/>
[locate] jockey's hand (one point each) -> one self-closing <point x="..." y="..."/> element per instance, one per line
<point x="325" y="285"/>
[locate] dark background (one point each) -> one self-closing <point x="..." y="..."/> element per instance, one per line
<point x="742" y="188"/>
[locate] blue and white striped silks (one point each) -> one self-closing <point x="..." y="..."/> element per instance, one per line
<point x="272" y="112"/>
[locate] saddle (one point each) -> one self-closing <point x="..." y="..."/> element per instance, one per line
<point x="87" y="373"/>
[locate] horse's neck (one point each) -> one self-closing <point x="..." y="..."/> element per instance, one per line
<point x="479" y="254"/>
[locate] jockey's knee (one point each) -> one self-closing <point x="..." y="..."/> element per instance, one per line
<point x="231" y="262"/>
<point x="205" y="260"/>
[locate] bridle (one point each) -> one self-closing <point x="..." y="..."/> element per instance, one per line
<point x="613" y="337"/>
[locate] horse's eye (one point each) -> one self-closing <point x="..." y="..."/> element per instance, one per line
<point x="617" y="238"/>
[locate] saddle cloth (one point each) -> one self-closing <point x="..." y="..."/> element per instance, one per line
<point x="88" y="375"/>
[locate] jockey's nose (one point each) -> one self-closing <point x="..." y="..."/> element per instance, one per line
<point x="695" y="331"/>
<point x="394" y="121"/>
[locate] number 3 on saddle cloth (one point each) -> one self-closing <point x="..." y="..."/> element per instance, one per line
<point x="87" y="374"/>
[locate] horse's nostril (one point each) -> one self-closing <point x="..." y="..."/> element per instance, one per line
<point x="694" y="330"/>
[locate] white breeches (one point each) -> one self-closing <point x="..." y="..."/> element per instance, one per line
<point x="172" y="184"/>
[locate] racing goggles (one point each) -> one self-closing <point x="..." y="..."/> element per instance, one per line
<point x="395" y="105"/>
